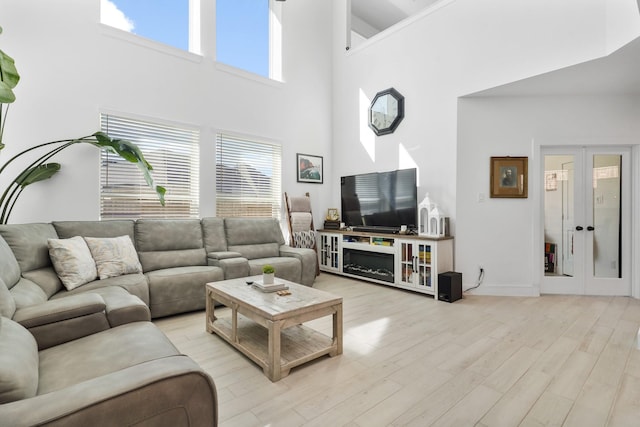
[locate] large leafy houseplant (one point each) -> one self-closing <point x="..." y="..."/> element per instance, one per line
<point x="39" y="169"/>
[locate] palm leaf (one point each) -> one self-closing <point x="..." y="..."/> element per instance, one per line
<point x="6" y="94"/>
<point x="9" y="78"/>
<point x="132" y="153"/>
<point x="37" y="173"/>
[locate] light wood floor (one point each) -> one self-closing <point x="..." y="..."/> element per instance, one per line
<point x="411" y="361"/>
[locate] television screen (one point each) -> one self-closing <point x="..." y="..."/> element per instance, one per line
<point x="380" y="199"/>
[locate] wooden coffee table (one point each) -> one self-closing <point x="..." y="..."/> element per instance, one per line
<point x="270" y="328"/>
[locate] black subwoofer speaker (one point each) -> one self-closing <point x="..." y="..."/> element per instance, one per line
<point x="449" y="286"/>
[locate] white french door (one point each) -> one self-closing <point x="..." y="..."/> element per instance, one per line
<point x="587" y="215"/>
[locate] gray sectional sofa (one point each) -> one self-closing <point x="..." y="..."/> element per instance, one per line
<point x="89" y="355"/>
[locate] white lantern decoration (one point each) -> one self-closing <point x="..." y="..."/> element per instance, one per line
<point x="437" y="222"/>
<point x="424" y="209"/>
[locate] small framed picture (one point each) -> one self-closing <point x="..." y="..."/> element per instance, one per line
<point x="509" y="177"/>
<point x="332" y="214"/>
<point x="309" y="168"/>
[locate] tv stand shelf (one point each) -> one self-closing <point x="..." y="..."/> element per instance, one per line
<point x="401" y="260"/>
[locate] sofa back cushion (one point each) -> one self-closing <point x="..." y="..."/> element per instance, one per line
<point x="18" y="362"/>
<point x="106" y="228"/>
<point x="7" y="304"/>
<point x="213" y="234"/>
<point x="9" y="267"/>
<point x="167" y="243"/>
<point x="254" y="237"/>
<point x="29" y="243"/>
<point x="26" y="293"/>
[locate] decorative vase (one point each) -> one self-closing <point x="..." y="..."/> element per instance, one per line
<point x="267" y="278"/>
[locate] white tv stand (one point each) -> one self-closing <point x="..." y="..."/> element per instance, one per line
<point x="400" y="260"/>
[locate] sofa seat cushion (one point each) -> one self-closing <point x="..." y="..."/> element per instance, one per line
<point x="257" y="250"/>
<point x="233" y="267"/>
<point x="122" y="307"/>
<point x="135" y="284"/>
<point x="100" y="354"/>
<point x="287" y="268"/>
<point x="18" y="362"/>
<point x="180" y="289"/>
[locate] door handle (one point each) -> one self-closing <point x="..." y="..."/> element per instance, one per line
<point x="590" y="228"/>
<point x="579" y="228"/>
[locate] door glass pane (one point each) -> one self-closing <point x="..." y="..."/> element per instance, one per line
<point x="606" y="215"/>
<point x="558" y="215"/>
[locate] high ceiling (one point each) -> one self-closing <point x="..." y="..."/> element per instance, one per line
<point x="381" y="14"/>
<point x="615" y="74"/>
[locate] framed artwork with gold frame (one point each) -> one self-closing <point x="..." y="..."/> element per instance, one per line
<point x="509" y="177"/>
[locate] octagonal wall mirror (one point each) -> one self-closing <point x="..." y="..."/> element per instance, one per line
<point x="386" y="111"/>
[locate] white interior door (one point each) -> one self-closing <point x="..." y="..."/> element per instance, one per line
<point x="587" y="205"/>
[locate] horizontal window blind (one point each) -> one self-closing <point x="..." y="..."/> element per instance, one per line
<point x="248" y="178"/>
<point x="173" y="152"/>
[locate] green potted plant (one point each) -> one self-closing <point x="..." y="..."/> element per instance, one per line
<point x="39" y="169"/>
<point x="268" y="273"/>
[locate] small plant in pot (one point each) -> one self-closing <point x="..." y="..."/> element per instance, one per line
<point x="268" y="273"/>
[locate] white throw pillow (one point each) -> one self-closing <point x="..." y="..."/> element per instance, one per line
<point x="72" y="261"/>
<point x="114" y="256"/>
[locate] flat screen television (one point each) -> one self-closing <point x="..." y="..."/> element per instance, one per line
<point x="380" y="201"/>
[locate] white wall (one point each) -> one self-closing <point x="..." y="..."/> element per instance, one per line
<point x="516" y="126"/>
<point x="73" y="68"/>
<point x="460" y="47"/>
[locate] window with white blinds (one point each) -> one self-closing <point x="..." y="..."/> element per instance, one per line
<point x="248" y="178"/>
<point x="172" y="151"/>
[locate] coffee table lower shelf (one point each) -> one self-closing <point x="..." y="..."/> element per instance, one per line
<point x="298" y="344"/>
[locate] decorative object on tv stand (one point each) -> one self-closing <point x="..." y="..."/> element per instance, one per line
<point x="386" y="111"/>
<point x="431" y="219"/>
<point x="268" y="273"/>
<point x="424" y="209"/>
<point x="332" y="220"/>
<point x="437" y="222"/>
<point x="332" y="214"/>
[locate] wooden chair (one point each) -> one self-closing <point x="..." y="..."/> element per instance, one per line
<point x="300" y="220"/>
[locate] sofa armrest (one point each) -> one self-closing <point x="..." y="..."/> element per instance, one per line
<point x="169" y="391"/>
<point x="57" y="321"/>
<point x="308" y="258"/>
<point x="59" y="309"/>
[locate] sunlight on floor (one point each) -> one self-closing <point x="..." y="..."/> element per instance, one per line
<point x="371" y="333"/>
